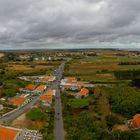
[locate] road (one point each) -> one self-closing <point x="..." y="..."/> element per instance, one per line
<point x="58" y="130"/>
<point x="17" y="112"/>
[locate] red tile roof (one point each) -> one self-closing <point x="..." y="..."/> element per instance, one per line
<point x="7" y="133"/>
<point x="44" y="97"/>
<point x="84" y="91"/>
<point x="40" y="88"/>
<point x="30" y="87"/>
<point x="17" y="100"/>
<point x="136" y="121"/>
<point x="49" y="92"/>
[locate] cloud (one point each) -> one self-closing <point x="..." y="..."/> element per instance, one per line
<point x="69" y="23"/>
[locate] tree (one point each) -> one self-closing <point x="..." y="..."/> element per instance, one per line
<point x="124" y="100"/>
<point x="136" y="82"/>
<point x="35" y="114"/>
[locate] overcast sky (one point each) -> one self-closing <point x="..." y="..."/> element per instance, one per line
<point x="69" y="23"/>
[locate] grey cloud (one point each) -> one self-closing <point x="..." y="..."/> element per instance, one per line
<point x="54" y="23"/>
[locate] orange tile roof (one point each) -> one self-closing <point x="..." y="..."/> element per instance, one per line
<point x="7" y="133"/>
<point x="80" y="82"/>
<point x="136" y="121"/>
<point x="17" y="100"/>
<point x="49" y="92"/>
<point x="30" y="87"/>
<point x="84" y="91"/>
<point x="44" y="97"/>
<point x="40" y="88"/>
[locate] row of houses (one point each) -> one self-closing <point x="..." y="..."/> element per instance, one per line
<point x="26" y="94"/>
<point x="73" y="84"/>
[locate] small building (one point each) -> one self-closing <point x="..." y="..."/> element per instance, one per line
<point x="84" y="92"/>
<point x="50" y="92"/>
<point x="8" y="133"/>
<point x="135" y="122"/>
<point x="46" y="97"/>
<point x="11" y="133"/>
<point x="40" y="89"/>
<point x="28" y="89"/>
<point x="46" y="79"/>
<point x="45" y="100"/>
<point x="17" y="100"/>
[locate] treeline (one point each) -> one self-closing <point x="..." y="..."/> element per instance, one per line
<point x="129" y="63"/>
<point x="127" y="74"/>
<point x="124" y="100"/>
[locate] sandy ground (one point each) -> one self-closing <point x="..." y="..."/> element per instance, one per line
<point x="1" y="55"/>
<point x="20" y="122"/>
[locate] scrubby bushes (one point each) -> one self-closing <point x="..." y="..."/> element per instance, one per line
<point x="124" y="100"/>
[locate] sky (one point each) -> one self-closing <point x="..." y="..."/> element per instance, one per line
<point x="29" y="24"/>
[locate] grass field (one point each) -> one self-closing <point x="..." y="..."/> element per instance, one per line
<point x="100" y="68"/>
<point x="78" y="103"/>
<point x="27" y="67"/>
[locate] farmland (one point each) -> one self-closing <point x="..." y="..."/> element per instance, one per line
<point x="100" y="68"/>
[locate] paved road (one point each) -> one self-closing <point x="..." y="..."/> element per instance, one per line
<point x="58" y="130"/>
<point x="12" y="115"/>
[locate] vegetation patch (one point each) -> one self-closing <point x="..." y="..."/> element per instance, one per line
<point x="125" y="100"/>
<point x="78" y="103"/>
<point x="35" y="114"/>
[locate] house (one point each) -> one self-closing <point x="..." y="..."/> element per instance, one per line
<point x="40" y="89"/>
<point x="45" y="100"/>
<point x="17" y="100"/>
<point x="135" y="122"/>
<point x="84" y="92"/>
<point x="72" y="83"/>
<point x="28" y="89"/>
<point x="46" y="97"/>
<point x="8" y="133"/>
<point x="46" y="79"/>
<point x="68" y="80"/>
<point x="50" y="92"/>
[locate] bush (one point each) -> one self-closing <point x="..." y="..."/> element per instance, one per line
<point x="35" y="114"/>
<point x="112" y="120"/>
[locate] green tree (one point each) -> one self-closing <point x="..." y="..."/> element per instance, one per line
<point x="35" y="114"/>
